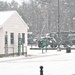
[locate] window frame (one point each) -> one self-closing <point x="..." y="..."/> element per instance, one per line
<point x="23" y="37"/>
<point x="12" y="38"/>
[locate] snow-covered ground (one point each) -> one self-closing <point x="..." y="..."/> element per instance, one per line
<point x="54" y="63"/>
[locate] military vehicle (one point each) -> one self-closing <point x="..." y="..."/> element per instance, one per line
<point x="65" y="39"/>
<point x="50" y="41"/>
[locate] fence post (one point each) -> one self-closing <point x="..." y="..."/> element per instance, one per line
<point x="41" y="70"/>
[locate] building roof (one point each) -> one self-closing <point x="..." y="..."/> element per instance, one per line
<point x="5" y="15"/>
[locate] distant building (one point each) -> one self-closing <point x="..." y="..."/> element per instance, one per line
<point x="12" y="27"/>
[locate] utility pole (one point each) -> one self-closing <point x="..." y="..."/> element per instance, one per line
<point x="58" y="27"/>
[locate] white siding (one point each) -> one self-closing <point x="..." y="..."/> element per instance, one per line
<point x="15" y="25"/>
<point x="1" y="41"/>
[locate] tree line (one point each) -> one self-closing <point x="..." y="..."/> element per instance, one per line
<point x="42" y="15"/>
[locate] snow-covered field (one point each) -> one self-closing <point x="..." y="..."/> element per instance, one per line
<point x="54" y="63"/>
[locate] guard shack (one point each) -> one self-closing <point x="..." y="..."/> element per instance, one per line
<point x="13" y="34"/>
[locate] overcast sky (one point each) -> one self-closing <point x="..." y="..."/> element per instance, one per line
<point x="19" y="1"/>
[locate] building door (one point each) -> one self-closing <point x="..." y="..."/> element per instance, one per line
<point x="6" y="44"/>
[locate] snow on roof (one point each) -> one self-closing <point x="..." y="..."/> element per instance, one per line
<point x="4" y="15"/>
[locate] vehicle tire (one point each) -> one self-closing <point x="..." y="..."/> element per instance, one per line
<point x="51" y="46"/>
<point x="55" y="45"/>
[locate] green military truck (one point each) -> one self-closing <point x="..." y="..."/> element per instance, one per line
<point x="44" y="42"/>
<point x="65" y="39"/>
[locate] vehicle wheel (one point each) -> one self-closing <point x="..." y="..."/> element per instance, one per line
<point x="51" y="46"/>
<point x="55" y="45"/>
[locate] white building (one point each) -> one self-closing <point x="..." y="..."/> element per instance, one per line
<point x="12" y="26"/>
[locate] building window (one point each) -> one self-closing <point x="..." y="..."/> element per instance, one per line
<point x="23" y="37"/>
<point x="12" y="38"/>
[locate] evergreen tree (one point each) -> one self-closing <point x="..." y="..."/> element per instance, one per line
<point x="3" y="6"/>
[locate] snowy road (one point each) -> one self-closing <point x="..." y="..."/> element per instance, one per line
<point x="54" y="63"/>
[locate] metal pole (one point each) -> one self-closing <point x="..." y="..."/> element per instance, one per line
<point x="26" y="51"/>
<point x="58" y="15"/>
<point x="22" y="45"/>
<point x="41" y="70"/>
<point x="22" y="49"/>
<point x="46" y="45"/>
<point x="6" y="44"/>
<point x="42" y="49"/>
<point x="58" y="27"/>
<point x="19" y="47"/>
<point x="19" y="43"/>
